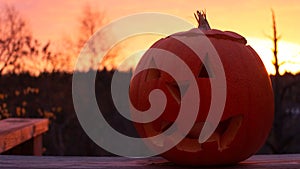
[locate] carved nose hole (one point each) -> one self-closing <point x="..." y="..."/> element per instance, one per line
<point x="153" y="72"/>
<point x="174" y="89"/>
<point x="205" y="68"/>
<point x="203" y="73"/>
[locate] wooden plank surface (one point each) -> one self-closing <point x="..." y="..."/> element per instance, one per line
<point x="14" y="131"/>
<point x="53" y="162"/>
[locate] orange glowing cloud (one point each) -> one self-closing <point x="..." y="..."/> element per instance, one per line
<point x="50" y="19"/>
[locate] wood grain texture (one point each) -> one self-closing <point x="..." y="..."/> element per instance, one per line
<point x="14" y="131"/>
<point x="52" y="162"/>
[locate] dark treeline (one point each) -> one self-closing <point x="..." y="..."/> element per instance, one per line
<point x="284" y="136"/>
<point x="50" y="96"/>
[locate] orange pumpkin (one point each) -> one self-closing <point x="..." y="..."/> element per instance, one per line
<point x="248" y="112"/>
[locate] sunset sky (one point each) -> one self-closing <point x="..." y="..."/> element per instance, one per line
<point x="52" y="19"/>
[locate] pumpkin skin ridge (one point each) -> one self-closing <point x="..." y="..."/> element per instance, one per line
<point x="232" y="80"/>
<point x="213" y="33"/>
<point x="248" y="88"/>
<point x="269" y="91"/>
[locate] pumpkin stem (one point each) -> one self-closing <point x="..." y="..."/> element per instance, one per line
<point x="202" y="21"/>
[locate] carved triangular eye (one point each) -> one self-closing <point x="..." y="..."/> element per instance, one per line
<point x="205" y="71"/>
<point x="174" y="89"/>
<point x="152" y="72"/>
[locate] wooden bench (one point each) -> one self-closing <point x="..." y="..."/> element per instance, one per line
<point x="55" y="162"/>
<point x="22" y="136"/>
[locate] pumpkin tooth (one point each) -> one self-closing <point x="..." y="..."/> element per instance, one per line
<point x="150" y="130"/>
<point x="231" y="131"/>
<point x="214" y="137"/>
<point x="165" y="125"/>
<point x="189" y="145"/>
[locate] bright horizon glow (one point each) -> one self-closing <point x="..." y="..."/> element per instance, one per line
<point x="54" y="19"/>
<point x="288" y="54"/>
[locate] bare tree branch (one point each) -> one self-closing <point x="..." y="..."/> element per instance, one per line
<point x="280" y="139"/>
<point x="275" y="40"/>
<point x="13" y="33"/>
<point x="19" y="51"/>
<point x="90" y="21"/>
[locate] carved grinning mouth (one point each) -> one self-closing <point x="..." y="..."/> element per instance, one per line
<point x="223" y="135"/>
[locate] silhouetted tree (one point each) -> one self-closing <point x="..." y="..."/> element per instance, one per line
<point x="281" y="134"/>
<point x="19" y="50"/>
<point x="14" y="38"/>
<point x="54" y="60"/>
<point x="90" y="21"/>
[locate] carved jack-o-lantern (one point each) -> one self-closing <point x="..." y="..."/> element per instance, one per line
<point x="248" y="111"/>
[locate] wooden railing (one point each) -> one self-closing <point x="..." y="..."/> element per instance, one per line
<point x="22" y="136"/>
